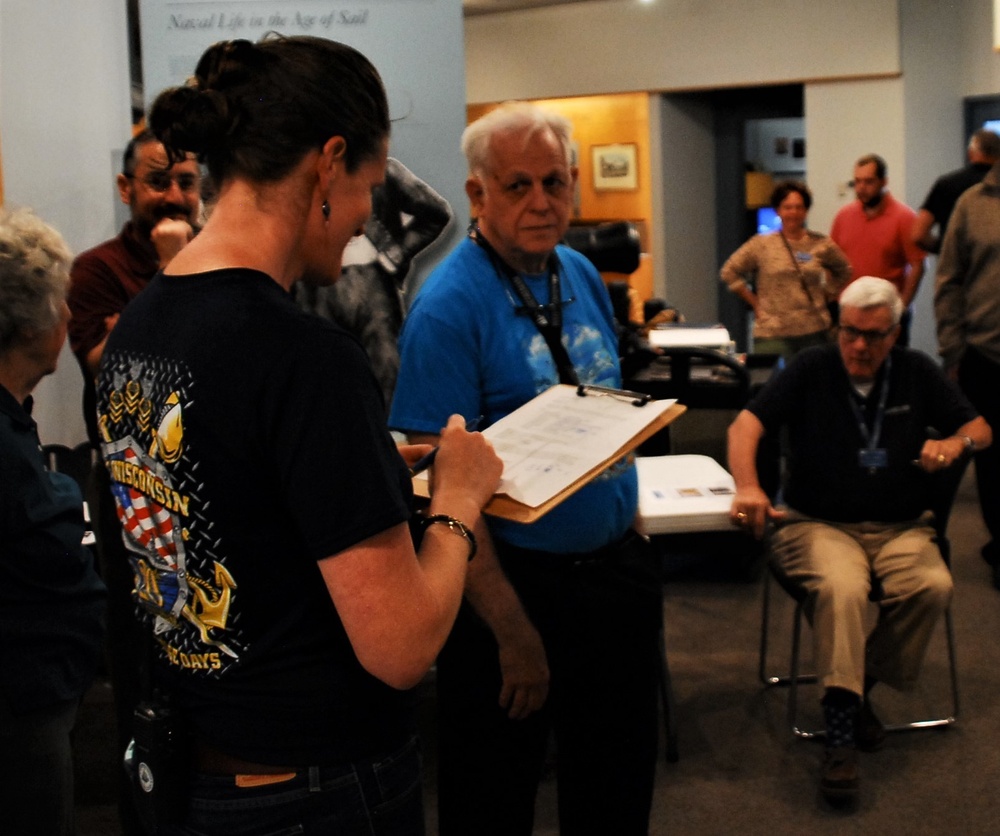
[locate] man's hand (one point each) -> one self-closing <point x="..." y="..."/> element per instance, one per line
<point x="940" y="454"/>
<point x="752" y="511"/>
<point x="525" y="671"/>
<point x="169" y="237"/>
<point x="524" y="667"/>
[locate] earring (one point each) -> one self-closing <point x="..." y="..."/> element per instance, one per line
<point x="325" y="209"/>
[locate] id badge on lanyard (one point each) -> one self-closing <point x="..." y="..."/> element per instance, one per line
<point x="872" y="457"/>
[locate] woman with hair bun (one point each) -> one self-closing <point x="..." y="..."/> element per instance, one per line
<point x="264" y="503"/>
<point x="788" y="276"/>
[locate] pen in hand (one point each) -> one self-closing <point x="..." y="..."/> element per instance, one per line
<point x="421" y="464"/>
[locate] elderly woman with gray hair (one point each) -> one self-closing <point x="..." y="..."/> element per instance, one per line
<point x="51" y="599"/>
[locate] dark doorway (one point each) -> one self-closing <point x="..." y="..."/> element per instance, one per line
<point x="734" y="222"/>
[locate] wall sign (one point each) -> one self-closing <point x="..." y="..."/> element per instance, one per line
<point x="417" y="46"/>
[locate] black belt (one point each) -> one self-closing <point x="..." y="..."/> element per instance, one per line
<point x="212" y="761"/>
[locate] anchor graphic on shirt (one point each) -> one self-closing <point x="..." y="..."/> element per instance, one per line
<point x="209" y="607"/>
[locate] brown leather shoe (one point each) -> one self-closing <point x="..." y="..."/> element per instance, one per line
<point x="839" y="777"/>
<point x="869" y="733"/>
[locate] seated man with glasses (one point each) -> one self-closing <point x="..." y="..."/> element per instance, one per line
<point x="868" y="424"/>
<point x="164" y="202"/>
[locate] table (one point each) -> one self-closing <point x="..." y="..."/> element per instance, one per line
<point x="681" y="335"/>
<point x="683" y="494"/>
<point x="704" y="378"/>
<point x="701" y="378"/>
<point x="680" y="495"/>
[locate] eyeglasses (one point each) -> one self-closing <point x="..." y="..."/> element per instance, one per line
<point x="850" y="333"/>
<point x="160" y="181"/>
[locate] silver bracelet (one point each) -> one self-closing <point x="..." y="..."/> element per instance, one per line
<point x="970" y="445"/>
<point x="455" y="525"/>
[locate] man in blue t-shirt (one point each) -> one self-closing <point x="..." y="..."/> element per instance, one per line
<point x="560" y="624"/>
<point x="859" y="488"/>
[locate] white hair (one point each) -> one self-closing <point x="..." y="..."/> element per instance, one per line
<point x="511" y="117"/>
<point x="872" y="292"/>
<point x="34" y="275"/>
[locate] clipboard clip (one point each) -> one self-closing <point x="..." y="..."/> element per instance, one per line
<point x="636" y="398"/>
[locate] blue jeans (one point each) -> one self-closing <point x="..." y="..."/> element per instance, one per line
<point x="380" y="797"/>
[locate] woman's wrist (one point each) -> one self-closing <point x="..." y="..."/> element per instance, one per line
<point x="454" y="525"/>
<point x="455" y="503"/>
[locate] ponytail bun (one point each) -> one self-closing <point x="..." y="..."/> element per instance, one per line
<point x="199" y="118"/>
<point x="189" y="120"/>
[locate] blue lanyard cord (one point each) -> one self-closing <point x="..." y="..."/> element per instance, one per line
<point x="872" y="439"/>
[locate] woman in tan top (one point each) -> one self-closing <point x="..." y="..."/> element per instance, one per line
<point x="794" y="272"/>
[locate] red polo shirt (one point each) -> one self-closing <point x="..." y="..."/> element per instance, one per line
<point x="878" y="245"/>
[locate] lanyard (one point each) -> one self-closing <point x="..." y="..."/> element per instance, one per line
<point x="871" y="439"/>
<point x="798" y="268"/>
<point x="547" y="318"/>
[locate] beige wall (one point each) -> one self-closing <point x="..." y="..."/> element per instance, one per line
<point x="843" y="121"/>
<point x="64" y="90"/>
<point x="608" y="46"/>
<point x="979" y="62"/>
<point x="685" y="268"/>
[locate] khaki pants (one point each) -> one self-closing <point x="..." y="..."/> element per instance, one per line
<point x="835" y="563"/>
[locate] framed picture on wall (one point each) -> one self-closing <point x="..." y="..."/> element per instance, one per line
<point x="615" y="167"/>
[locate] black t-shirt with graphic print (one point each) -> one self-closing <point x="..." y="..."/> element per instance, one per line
<point x="246" y="441"/>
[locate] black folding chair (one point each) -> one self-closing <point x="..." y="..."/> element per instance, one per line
<point x="945" y="490"/>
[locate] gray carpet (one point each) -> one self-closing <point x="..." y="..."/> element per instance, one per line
<point x="740" y="770"/>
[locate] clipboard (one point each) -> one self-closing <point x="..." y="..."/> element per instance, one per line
<point x="562" y="440"/>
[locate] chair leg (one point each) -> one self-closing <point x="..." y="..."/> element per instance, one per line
<point x="765" y="624"/>
<point x="669" y="703"/>
<point x="939" y="722"/>
<point x="766" y="678"/>
<point x="949" y="632"/>
<point x="795" y="677"/>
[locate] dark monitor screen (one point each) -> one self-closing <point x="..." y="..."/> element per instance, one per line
<point x="767" y="220"/>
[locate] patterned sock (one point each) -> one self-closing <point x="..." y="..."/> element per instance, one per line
<point x="840" y="708"/>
